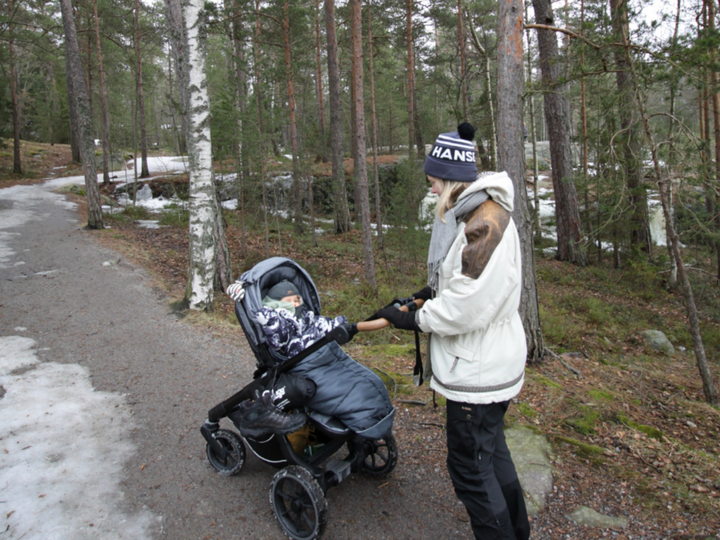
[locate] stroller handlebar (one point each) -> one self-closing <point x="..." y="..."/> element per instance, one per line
<point x="378" y="324"/>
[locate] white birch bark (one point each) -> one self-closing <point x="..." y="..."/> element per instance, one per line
<point x="203" y="208"/>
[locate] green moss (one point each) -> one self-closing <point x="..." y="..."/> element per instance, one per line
<point x="542" y="379"/>
<point x="583" y="448"/>
<point x="600" y="395"/>
<point x="647" y="430"/>
<point x="392" y="349"/>
<point x="526" y="409"/>
<point x="584" y="422"/>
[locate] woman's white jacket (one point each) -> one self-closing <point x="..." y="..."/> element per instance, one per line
<point x="477" y="343"/>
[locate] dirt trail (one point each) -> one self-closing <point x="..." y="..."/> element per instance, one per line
<point x="114" y="321"/>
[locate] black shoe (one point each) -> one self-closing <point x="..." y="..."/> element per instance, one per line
<point x="262" y="416"/>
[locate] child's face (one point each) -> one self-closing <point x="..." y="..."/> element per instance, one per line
<point x="295" y="299"/>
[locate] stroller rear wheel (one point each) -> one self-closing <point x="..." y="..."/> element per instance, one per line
<point x="299" y="503"/>
<point x="235" y="449"/>
<point x="381" y="456"/>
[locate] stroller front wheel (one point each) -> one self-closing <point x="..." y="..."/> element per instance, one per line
<point x="299" y="503"/>
<point x="380" y="456"/>
<point x="235" y="459"/>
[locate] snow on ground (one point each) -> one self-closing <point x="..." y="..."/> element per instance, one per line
<point x="63" y="447"/>
<point x="163" y="164"/>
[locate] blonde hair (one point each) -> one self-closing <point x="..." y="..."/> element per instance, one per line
<point x="451" y="190"/>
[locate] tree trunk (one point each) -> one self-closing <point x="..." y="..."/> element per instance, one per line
<point x="103" y="102"/>
<point x="511" y="158"/>
<point x="557" y="117"/>
<point x="411" y="80"/>
<point x="630" y="141"/>
<point x="72" y="114"/>
<point x="78" y="95"/>
<point x="261" y="127"/>
<point x="714" y="89"/>
<point x="17" y="165"/>
<point x="533" y="140"/>
<point x="240" y="106"/>
<point x="488" y="86"/>
<point x="342" y="213"/>
<point x="297" y="194"/>
<point x="17" y="162"/>
<point x="711" y="395"/>
<point x="373" y="118"/>
<point x="463" y="61"/>
<point x="173" y="12"/>
<point x="319" y="84"/>
<point x="360" y="150"/>
<point x="206" y="234"/>
<point x="141" y="100"/>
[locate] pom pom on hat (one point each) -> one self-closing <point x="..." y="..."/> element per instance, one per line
<point x="453" y="156"/>
<point x="466" y="131"/>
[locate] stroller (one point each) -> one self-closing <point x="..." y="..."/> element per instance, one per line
<point x="297" y="492"/>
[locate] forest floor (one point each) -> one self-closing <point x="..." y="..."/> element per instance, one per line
<point x="631" y="434"/>
<point x="630" y="430"/>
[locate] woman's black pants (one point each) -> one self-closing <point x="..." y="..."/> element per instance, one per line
<point x="483" y="473"/>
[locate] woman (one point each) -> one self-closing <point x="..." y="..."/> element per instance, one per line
<point x="476" y="346"/>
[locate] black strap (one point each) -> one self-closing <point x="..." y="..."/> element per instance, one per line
<point x="418" y="370"/>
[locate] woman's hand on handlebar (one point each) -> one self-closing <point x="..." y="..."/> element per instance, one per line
<point x="403" y="320"/>
<point x="424" y="294"/>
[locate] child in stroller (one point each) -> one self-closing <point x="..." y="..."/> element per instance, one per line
<point x="349" y="406"/>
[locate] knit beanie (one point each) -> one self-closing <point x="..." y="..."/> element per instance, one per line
<point x="283" y="289"/>
<point x="453" y="156"/>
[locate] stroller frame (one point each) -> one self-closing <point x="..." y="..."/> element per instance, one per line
<point x="298" y="490"/>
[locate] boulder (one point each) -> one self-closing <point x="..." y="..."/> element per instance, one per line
<point x="658" y="341"/>
<point x="530" y="452"/>
<point x="589" y="517"/>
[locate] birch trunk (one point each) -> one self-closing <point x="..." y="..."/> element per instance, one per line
<point x="511" y="158"/>
<point x="342" y="213"/>
<point x="78" y="94"/>
<point x="203" y="200"/>
<point x="360" y="145"/>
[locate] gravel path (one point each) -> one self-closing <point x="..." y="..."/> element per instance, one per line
<point x="115" y="322"/>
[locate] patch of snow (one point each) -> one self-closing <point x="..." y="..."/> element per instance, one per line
<point x="231" y="204"/>
<point x="19" y="263"/>
<point x="20" y="329"/>
<point x="64" y="446"/>
<point x="149" y="223"/>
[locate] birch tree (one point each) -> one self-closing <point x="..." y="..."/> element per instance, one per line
<point x="206" y="235"/>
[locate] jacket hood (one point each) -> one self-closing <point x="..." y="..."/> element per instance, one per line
<point x="497" y="184"/>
